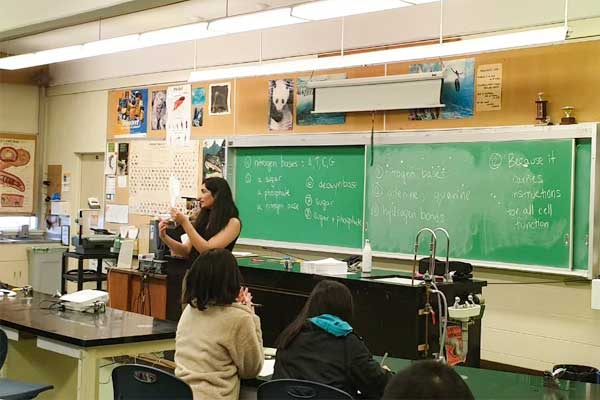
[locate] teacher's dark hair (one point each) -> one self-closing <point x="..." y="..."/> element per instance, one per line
<point x="328" y="297"/>
<point x="427" y="380"/>
<point x="213" y="280"/>
<point x="212" y="221"/>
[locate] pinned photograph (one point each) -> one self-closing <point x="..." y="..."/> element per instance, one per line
<point x="457" y="91"/>
<point x="281" y="104"/>
<point x="305" y="105"/>
<point x="219" y="98"/>
<point x="198" y="101"/>
<point x="123" y="162"/>
<point x="159" y="110"/>
<point x="213" y="156"/>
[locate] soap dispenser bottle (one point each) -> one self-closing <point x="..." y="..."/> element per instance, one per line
<point x="367" y="257"/>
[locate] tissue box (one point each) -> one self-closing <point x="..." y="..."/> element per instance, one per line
<point x="328" y="266"/>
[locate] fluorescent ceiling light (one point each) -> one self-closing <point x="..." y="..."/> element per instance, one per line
<point x="108" y="46"/>
<point x="60" y="54"/>
<point x="327" y="9"/>
<point x="177" y="34"/>
<point x="18" y="62"/>
<point x="254" y="21"/>
<point x="490" y="43"/>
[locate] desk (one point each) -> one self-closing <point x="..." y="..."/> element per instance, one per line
<point x="63" y="348"/>
<point x="386" y="314"/>
<point x="156" y="295"/>
<point x="488" y="384"/>
<point x="82" y="277"/>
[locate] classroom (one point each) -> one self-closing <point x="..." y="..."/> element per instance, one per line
<point x="430" y="165"/>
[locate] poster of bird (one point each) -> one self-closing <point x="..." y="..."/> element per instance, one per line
<point x="179" y="108"/>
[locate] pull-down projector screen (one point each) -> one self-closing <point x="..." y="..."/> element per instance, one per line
<point x="396" y="92"/>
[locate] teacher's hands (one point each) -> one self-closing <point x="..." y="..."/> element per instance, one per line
<point x="178" y="217"/>
<point x="162" y="229"/>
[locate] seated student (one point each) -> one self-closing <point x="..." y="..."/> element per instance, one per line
<point x="427" y="379"/>
<point x="218" y="337"/>
<point x="321" y="346"/>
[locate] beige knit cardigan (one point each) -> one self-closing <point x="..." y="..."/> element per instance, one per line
<point x="216" y="347"/>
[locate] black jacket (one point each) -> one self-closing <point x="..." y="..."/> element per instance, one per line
<point x="342" y="362"/>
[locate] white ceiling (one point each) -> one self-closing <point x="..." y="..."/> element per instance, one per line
<point x="20" y="13"/>
<point x="181" y="13"/>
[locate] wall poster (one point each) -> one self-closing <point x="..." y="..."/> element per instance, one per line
<point x="179" y="107"/>
<point x="220" y="98"/>
<point x="198" y="100"/>
<point x="305" y="105"/>
<point x="214" y="154"/>
<point x="129" y="112"/>
<point x="281" y="104"/>
<point x="457" y="91"/>
<point x="151" y="165"/>
<point x="17" y="173"/>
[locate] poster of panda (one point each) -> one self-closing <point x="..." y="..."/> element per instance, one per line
<point x="281" y="104"/>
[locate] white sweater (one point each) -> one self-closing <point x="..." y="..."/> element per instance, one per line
<point x="216" y="347"/>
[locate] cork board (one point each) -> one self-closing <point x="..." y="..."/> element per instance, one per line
<point x="54" y="179"/>
<point x="525" y="72"/>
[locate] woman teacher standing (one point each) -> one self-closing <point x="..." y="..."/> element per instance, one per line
<point x="217" y="226"/>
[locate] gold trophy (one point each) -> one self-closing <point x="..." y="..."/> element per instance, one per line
<point x="541" y="106"/>
<point x="568" y="119"/>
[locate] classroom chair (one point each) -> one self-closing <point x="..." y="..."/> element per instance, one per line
<point x="140" y="382"/>
<point x="294" y="389"/>
<point x="14" y="390"/>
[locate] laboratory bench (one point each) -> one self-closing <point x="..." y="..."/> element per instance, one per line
<point x="385" y="314"/>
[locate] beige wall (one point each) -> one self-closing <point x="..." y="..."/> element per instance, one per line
<point x="538" y="325"/>
<point x="19" y="107"/>
<point x="527" y="325"/>
<point x="75" y="124"/>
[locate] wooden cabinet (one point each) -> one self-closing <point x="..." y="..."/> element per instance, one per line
<point x="131" y="290"/>
<point x="157" y="295"/>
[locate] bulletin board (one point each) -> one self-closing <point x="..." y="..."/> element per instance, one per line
<point x="17" y="174"/>
<point x="523" y="73"/>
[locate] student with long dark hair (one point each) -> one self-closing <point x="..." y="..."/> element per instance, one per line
<point x="321" y="346"/>
<point x="218" y="339"/>
<point x="217" y="226"/>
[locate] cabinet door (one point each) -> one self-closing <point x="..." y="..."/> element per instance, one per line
<point x="9" y="272"/>
<point x="118" y="290"/>
<point x="21" y="273"/>
<point x="149" y="298"/>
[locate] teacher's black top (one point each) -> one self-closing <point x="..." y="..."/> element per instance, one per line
<point x="178" y="231"/>
<point x="202" y="231"/>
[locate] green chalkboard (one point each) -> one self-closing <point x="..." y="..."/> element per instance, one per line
<point x="500" y="201"/>
<point x="583" y="161"/>
<point x="310" y="195"/>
